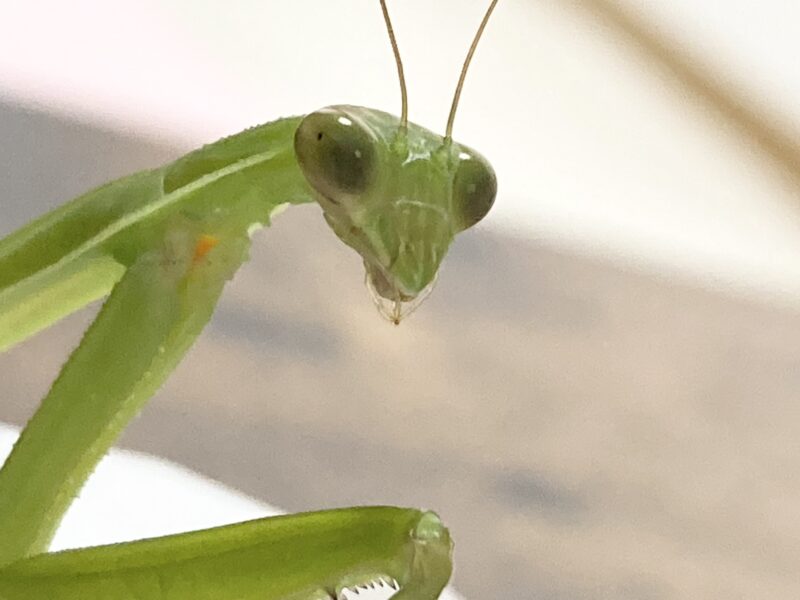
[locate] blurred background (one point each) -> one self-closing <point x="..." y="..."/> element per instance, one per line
<point x="600" y="397"/>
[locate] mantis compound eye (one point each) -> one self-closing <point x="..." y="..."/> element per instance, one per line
<point x="335" y="153"/>
<point x="474" y="188"/>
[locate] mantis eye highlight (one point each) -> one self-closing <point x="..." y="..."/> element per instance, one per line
<point x="335" y="153"/>
<point x="474" y="189"/>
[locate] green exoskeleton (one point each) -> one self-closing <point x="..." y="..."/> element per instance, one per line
<point x="161" y="244"/>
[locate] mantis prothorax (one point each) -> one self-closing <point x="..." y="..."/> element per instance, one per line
<point x="162" y="243"/>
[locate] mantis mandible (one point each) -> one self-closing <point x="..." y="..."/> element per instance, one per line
<point x="161" y="244"/>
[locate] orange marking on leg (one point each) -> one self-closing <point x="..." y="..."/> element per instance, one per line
<point x="204" y="246"/>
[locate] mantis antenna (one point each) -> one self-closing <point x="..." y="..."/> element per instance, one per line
<point x="401" y="75"/>
<point x="449" y="131"/>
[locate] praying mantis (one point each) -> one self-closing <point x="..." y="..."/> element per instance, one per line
<point x="161" y="244"/>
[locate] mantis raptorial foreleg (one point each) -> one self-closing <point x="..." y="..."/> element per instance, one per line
<point x="45" y="276"/>
<point x="267" y="559"/>
<point x="152" y="317"/>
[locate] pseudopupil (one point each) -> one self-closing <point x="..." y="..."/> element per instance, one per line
<point x="347" y="167"/>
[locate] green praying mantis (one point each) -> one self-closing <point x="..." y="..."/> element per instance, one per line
<point x="161" y="244"/>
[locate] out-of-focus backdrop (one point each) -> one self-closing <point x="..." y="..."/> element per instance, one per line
<point x="601" y="396"/>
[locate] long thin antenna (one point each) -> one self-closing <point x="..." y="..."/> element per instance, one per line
<point x="400" y="74"/>
<point x="449" y="131"/>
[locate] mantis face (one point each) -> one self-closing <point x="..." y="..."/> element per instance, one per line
<point x="396" y="195"/>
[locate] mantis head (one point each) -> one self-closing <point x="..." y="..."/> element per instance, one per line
<point x="394" y="191"/>
<point x="397" y="195"/>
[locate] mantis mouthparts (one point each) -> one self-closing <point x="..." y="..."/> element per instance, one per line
<point x="392" y="304"/>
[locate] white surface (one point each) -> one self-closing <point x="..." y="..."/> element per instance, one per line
<point x="596" y="149"/>
<point x="133" y="495"/>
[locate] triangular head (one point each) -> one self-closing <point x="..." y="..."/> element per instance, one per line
<point x="396" y="194"/>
